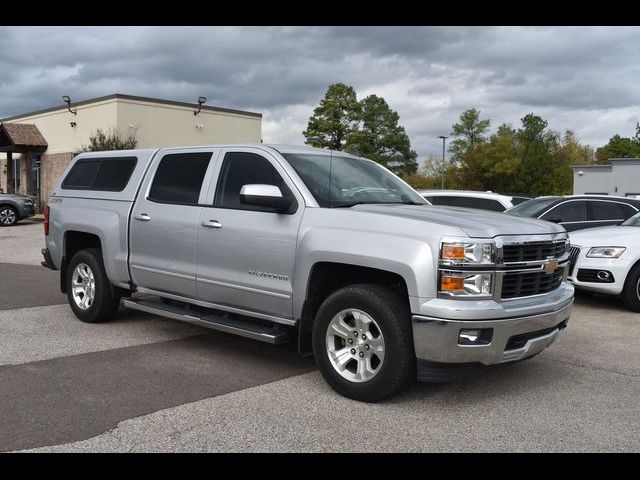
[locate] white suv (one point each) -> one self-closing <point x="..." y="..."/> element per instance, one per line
<point x="472" y="199"/>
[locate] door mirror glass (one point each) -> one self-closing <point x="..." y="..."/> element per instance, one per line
<point x="264" y="196"/>
<point x="554" y="219"/>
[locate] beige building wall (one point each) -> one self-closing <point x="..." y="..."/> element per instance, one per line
<point x="61" y="136"/>
<point x="156" y="124"/>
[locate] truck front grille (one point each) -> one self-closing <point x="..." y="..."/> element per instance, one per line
<point x="573" y="258"/>
<point x="530" y="283"/>
<point x="529" y="252"/>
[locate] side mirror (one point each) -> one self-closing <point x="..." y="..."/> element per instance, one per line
<point x="262" y="195"/>
<point x="554" y="219"/>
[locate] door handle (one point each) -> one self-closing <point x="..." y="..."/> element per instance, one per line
<point x="212" y="224"/>
<point x="144" y="217"/>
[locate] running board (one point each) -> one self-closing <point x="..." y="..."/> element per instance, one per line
<point x="209" y="320"/>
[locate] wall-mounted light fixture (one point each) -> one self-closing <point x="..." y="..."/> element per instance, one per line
<point x="201" y="101"/>
<point x="580" y="173"/>
<point x="199" y="126"/>
<point x="67" y="100"/>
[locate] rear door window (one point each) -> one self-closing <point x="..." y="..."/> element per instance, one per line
<point x="610" y="211"/>
<point x="179" y="177"/>
<point x="109" y="174"/>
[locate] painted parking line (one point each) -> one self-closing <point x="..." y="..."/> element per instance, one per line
<point x="75" y="397"/>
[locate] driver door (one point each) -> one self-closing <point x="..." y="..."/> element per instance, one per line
<point x="246" y="253"/>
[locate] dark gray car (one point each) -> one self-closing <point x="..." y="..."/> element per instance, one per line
<point x="14" y="208"/>
<point x="576" y="212"/>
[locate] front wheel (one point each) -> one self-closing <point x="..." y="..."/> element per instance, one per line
<point x="363" y="342"/>
<point x="89" y="291"/>
<point x="631" y="291"/>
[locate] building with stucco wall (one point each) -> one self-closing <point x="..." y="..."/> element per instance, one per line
<point x="621" y="178"/>
<point x="36" y="147"/>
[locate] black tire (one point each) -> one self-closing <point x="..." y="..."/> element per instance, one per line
<point x="8" y="216"/>
<point x="106" y="298"/>
<point x="631" y="290"/>
<point x="392" y="315"/>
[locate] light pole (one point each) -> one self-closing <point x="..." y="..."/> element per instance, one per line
<point x="443" y="140"/>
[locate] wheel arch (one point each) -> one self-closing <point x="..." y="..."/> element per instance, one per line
<point x="326" y="277"/>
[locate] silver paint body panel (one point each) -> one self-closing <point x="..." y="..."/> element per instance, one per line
<point x="208" y="256"/>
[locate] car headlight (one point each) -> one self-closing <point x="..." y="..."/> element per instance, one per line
<point x="457" y="258"/>
<point x="465" y="283"/>
<point x="470" y="253"/>
<point x="605" y="252"/>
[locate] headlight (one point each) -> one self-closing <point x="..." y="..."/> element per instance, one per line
<point x="465" y="283"/>
<point x="475" y="253"/>
<point x="605" y="252"/>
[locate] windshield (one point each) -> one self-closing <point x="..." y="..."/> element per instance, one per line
<point x="336" y="181"/>
<point x="633" y="221"/>
<point x="531" y="208"/>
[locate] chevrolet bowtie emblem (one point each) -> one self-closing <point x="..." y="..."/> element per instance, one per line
<point x="550" y="265"/>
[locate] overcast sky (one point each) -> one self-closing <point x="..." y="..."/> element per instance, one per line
<point x="585" y="79"/>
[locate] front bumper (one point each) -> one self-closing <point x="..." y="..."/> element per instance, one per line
<point x="26" y="211"/>
<point x="618" y="267"/>
<point x="436" y="339"/>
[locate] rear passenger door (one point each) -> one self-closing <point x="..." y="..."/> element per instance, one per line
<point x="165" y="218"/>
<point x="572" y="215"/>
<point x="246" y="253"/>
<point x="604" y="213"/>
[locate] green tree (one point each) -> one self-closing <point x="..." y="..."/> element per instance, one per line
<point x="380" y="137"/>
<point x="111" y="140"/>
<point x="469" y="132"/>
<point x="569" y="152"/>
<point x="334" y="119"/>
<point x="619" y="147"/>
<point x="536" y="146"/>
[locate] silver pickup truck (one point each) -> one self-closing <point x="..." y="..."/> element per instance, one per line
<point x="317" y="247"/>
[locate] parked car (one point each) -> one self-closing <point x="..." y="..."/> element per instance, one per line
<point x="14" y="208"/>
<point x="470" y="199"/>
<point x="326" y="250"/>
<point x="575" y="212"/>
<point x="607" y="260"/>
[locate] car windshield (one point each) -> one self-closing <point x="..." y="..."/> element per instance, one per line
<point x="338" y="181"/>
<point x="531" y="208"/>
<point x="633" y="221"/>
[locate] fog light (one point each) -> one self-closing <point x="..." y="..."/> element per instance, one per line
<point x="470" y="335"/>
<point x="475" y="336"/>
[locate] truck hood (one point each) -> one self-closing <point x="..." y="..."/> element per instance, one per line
<point x="606" y="237"/>
<point x="475" y="223"/>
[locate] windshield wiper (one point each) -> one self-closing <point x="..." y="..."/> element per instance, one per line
<point x="352" y="204"/>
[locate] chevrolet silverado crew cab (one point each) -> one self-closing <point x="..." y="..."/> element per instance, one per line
<point x="319" y="248"/>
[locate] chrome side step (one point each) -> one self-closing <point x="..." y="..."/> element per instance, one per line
<point x="209" y="320"/>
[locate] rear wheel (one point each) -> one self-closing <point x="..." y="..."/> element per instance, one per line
<point x="90" y="294"/>
<point x="363" y="343"/>
<point x="631" y="291"/>
<point x="8" y="216"/>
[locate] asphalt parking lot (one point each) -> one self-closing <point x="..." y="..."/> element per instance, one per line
<point x="144" y="383"/>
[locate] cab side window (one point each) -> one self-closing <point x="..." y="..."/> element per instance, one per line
<point x="244" y="168"/>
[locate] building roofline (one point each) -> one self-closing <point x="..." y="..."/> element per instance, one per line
<point x="116" y="96"/>
<point x="590" y="166"/>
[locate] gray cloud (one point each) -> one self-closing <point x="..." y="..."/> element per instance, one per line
<point x="579" y="78"/>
